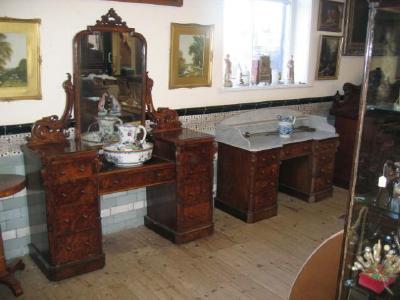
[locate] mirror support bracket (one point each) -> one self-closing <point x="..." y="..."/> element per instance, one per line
<point x="51" y="129"/>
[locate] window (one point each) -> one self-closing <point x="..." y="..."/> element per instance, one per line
<point x="278" y="29"/>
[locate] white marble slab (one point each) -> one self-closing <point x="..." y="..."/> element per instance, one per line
<point x="231" y="131"/>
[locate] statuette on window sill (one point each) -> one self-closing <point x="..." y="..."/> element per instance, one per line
<point x="228" y="72"/>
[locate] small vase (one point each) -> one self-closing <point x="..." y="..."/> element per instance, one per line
<point x="372" y="284"/>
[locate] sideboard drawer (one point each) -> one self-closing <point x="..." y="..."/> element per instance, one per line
<point x="195" y="216"/>
<point x="267" y="173"/>
<point x="76" y="219"/>
<point x="65" y="170"/>
<point x="124" y="180"/>
<point x="77" y="246"/>
<point x="193" y="192"/>
<point x="327" y="145"/>
<point x="323" y="182"/>
<point x="267" y="157"/>
<point x="296" y="149"/>
<point x="83" y="191"/>
<point x="196" y="160"/>
<point x="264" y="199"/>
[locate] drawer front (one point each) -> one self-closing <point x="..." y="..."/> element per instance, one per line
<point x="84" y="191"/>
<point x="327" y="145"/>
<point x="325" y="163"/>
<point x="267" y="157"/>
<point x="267" y="173"/>
<point x="264" y="199"/>
<point x="196" y="160"/>
<point x="76" y="219"/>
<point x="297" y="149"/>
<point x="70" y="169"/>
<point x="323" y="182"/>
<point x="193" y="192"/>
<point x="77" y="246"/>
<point x="194" y="216"/>
<point x="112" y="182"/>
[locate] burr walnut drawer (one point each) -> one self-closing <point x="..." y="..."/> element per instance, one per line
<point x="269" y="172"/>
<point x="325" y="163"/>
<point x="195" y="216"/>
<point x="192" y="192"/>
<point x="196" y="160"/>
<point x="326" y="145"/>
<point x="266" y="157"/>
<point x="77" y="246"/>
<point x="70" y="169"/>
<point x="83" y="191"/>
<point x="297" y="149"/>
<point x="76" y="219"/>
<point x="124" y="180"/>
<point x="323" y="182"/>
<point x="265" y="199"/>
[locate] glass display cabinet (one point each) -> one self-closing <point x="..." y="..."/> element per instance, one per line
<point x="370" y="267"/>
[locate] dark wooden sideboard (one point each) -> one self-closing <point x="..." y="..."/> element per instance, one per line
<point x="248" y="181"/>
<point x="73" y="176"/>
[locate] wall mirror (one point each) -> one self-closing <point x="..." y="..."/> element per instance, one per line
<point x="109" y="76"/>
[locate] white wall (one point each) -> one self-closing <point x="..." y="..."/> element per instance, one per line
<point x="61" y="19"/>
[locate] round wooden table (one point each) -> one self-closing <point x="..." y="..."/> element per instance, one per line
<point x="9" y="185"/>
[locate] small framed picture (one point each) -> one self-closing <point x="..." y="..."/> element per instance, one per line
<point x="330" y="17"/>
<point x="190" y="56"/>
<point x="329" y="57"/>
<point x="19" y="59"/>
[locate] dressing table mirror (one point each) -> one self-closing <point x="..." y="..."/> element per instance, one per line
<point x="109" y="74"/>
<point x="66" y="176"/>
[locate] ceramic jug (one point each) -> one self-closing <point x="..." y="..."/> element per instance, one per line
<point x="128" y="134"/>
<point x="106" y="127"/>
<point x="285" y="126"/>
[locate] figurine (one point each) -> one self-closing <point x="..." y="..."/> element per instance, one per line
<point x="290" y="73"/>
<point x="265" y="73"/>
<point x="228" y="72"/>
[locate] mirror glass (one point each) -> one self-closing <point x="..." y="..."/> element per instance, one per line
<point x="111" y="68"/>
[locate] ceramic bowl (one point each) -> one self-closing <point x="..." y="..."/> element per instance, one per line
<point x="128" y="155"/>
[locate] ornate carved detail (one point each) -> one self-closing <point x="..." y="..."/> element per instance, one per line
<point x="164" y="119"/>
<point x="110" y="19"/>
<point x="51" y="129"/>
<point x="348" y="106"/>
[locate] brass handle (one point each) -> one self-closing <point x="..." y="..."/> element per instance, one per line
<point x="82" y="168"/>
<point x="68" y="248"/>
<point x="85" y="216"/>
<point x="64" y="195"/>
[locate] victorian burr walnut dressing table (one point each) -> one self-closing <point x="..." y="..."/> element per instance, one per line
<point x="72" y="174"/>
<point x="9" y="185"/>
<point x="253" y="162"/>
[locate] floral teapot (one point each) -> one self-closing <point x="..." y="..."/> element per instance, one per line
<point x="128" y="134"/>
<point x="286" y="125"/>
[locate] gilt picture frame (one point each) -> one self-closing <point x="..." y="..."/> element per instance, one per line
<point x="190" y="55"/>
<point x="158" y="2"/>
<point x="19" y="59"/>
<point x="330" y="16"/>
<point x="329" y="57"/>
<point x="355" y="28"/>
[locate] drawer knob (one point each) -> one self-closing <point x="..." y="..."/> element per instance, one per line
<point x="273" y="156"/>
<point x="64" y="195"/>
<point x="83" y="192"/>
<point x="85" y="216"/>
<point x="68" y="248"/>
<point x="66" y="221"/>
<point x="62" y="173"/>
<point x="116" y="181"/>
<point x="82" y="168"/>
<point x="87" y="243"/>
<point x="264" y="159"/>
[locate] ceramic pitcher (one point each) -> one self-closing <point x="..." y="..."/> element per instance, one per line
<point x="106" y="127"/>
<point x="128" y="133"/>
<point x="286" y="125"/>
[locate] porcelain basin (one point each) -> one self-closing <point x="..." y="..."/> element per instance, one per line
<point x="123" y="155"/>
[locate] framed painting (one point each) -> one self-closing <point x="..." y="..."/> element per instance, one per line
<point x="19" y="59"/>
<point x="329" y="57"/>
<point x="355" y="30"/>
<point x="190" y="55"/>
<point x="159" y="2"/>
<point x="330" y="16"/>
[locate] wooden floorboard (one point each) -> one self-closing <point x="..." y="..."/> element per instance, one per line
<point x="239" y="261"/>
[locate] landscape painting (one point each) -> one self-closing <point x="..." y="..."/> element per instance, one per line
<point x="190" y="56"/>
<point x="19" y="59"/>
<point x="13" y="72"/>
